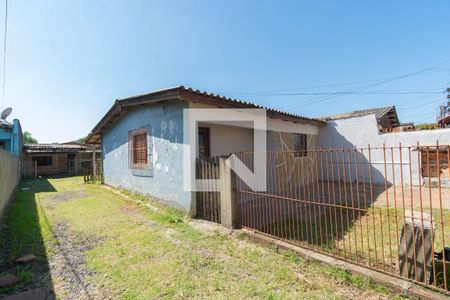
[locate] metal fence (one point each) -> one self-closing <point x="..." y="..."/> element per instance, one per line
<point x="387" y="208"/>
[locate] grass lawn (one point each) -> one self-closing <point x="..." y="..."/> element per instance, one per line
<point x="94" y="242"/>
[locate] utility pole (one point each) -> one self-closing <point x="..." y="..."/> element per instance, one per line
<point x="444" y="110"/>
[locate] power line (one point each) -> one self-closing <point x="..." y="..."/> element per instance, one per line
<point x="408" y="107"/>
<point x="327" y="98"/>
<point x="387" y="92"/>
<point x="4" y="53"/>
<point x="269" y="92"/>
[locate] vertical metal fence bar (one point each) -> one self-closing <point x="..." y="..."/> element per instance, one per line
<point x="334" y="202"/>
<point x="324" y="200"/>
<point x="395" y="204"/>
<point x="308" y="199"/>
<point x="352" y="201"/>
<point x="344" y="183"/>
<point x="296" y="196"/>
<point x="431" y="214"/>
<point x="411" y="198"/>
<point x="277" y="182"/>
<point x="340" y="201"/>
<point x="419" y="183"/>
<point x="358" y="199"/>
<point x="330" y="210"/>
<point x="365" y="204"/>
<point x="441" y="214"/>
<point x="387" y="207"/>
<point x="317" y="200"/>
<point x="273" y="204"/>
<point x="372" y="201"/>
<point x="289" y="194"/>
<point x="403" y="201"/>
<point x="283" y="178"/>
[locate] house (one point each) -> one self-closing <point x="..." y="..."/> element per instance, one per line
<point x="11" y="137"/>
<point x="378" y="128"/>
<point x="386" y="117"/>
<point x="56" y="159"/>
<point x="143" y="137"/>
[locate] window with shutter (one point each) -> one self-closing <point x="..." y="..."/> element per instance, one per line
<point x="139" y="151"/>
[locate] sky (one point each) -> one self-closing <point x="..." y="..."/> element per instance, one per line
<point x="67" y="61"/>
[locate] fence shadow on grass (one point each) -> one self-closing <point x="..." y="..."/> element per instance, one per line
<point x="23" y="229"/>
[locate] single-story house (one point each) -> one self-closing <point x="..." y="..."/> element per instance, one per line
<point x="142" y="140"/>
<point x="56" y="159"/>
<point x="377" y="128"/>
<point x="11" y="137"/>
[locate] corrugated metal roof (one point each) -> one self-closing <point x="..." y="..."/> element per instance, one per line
<point x="221" y="98"/>
<point x="378" y="112"/>
<point x="183" y="93"/>
<point x="255" y="105"/>
<point x="53" y="147"/>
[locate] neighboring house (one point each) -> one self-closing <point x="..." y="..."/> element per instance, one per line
<point x="377" y="127"/>
<point x="55" y="159"/>
<point x="386" y="117"/>
<point x="11" y="137"/>
<point x="142" y="140"/>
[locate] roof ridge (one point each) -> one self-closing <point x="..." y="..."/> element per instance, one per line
<point x="378" y="111"/>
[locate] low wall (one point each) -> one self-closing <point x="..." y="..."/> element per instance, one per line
<point x="9" y="178"/>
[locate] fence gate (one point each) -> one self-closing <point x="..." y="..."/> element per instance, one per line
<point x="208" y="203"/>
<point x="386" y="208"/>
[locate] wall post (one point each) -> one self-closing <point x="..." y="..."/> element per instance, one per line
<point x="228" y="195"/>
<point x="94" y="165"/>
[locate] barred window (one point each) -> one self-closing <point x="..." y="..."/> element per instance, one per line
<point x="300" y="145"/>
<point x="139" y="147"/>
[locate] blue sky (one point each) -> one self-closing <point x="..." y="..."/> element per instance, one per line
<point x="67" y="61"/>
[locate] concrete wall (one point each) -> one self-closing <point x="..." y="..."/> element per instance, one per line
<point x="165" y="181"/>
<point x="362" y="131"/>
<point x="229" y="139"/>
<point x="9" y="178"/>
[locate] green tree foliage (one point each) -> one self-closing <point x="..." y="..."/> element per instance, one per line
<point x="28" y="138"/>
<point x="425" y="126"/>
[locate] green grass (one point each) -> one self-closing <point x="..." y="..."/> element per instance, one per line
<point x="370" y="238"/>
<point x="155" y="253"/>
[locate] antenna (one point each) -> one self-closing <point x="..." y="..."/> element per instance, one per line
<point x="5" y="113"/>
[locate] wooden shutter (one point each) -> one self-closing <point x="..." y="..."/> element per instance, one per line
<point x="138" y="149"/>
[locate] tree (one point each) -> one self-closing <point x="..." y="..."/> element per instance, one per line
<point x="81" y="140"/>
<point x="28" y="138"/>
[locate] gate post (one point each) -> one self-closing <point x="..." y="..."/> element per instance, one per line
<point x="228" y="202"/>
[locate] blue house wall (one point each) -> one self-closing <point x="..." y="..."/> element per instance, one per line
<point x="11" y="137"/>
<point x="165" y="182"/>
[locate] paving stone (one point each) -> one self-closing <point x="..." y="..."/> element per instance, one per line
<point x="35" y="294"/>
<point x="8" y="280"/>
<point x="26" y="259"/>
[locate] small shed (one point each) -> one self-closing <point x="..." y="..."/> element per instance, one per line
<point x="56" y="159"/>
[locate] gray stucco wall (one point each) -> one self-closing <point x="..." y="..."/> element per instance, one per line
<point x="165" y="182"/>
<point x="362" y="131"/>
